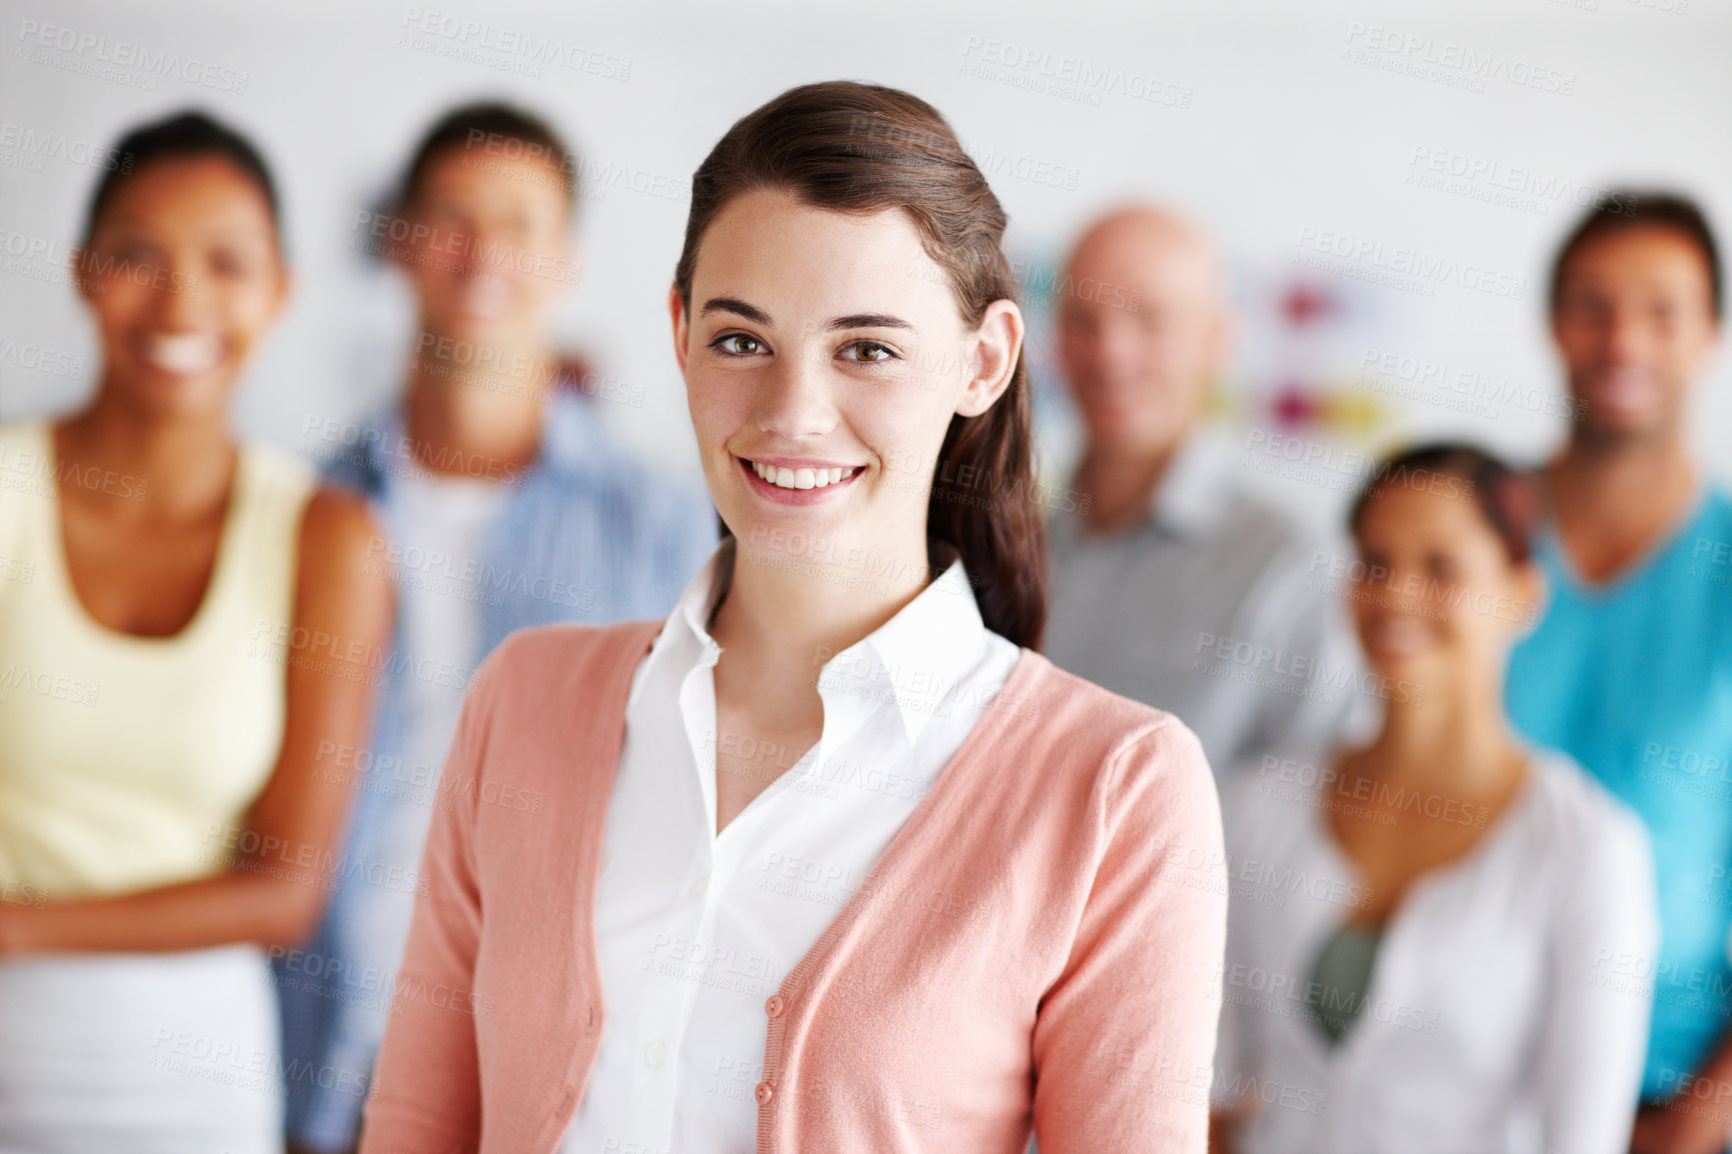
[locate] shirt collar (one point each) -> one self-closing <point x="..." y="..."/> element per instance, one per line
<point x="919" y="656"/>
<point x="916" y="659"/>
<point x="572" y="439"/>
<point x="1546" y="545"/>
<point x="1194" y="492"/>
<point x="1190" y="499"/>
<point x="685" y="640"/>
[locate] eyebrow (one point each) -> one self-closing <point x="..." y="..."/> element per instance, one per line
<point x="868" y="321"/>
<point x="837" y="324"/>
<point x="737" y="307"/>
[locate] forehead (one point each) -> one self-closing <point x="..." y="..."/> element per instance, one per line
<point x="1421" y="504"/>
<point x="1156" y="257"/>
<point x="768" y="248"/>
<point x="207" y="193"/>
<point x="473" y="176"/>
<point x="1638" y="257"/>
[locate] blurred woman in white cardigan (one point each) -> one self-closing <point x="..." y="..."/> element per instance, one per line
<point x="1425" y="933"/>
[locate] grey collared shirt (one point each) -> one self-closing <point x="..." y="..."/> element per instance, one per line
<point x="1215" y="607"/>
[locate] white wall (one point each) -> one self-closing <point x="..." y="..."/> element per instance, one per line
<point x="1262" y="123"/>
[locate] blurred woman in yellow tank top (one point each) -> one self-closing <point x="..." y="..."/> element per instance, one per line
<point x="185" y="627"/>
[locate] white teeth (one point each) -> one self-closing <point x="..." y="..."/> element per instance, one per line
<point x="1625" y="387"/>
<point x="799" y="478"/>
<point x="184" y="352"/>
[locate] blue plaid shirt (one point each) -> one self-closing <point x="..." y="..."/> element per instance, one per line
<point x="589" y="534"/>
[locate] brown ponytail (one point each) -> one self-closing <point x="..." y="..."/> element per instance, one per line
<point x="861" y="148"/>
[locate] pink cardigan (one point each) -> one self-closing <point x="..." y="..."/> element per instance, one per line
<point x="1040" y="944"/>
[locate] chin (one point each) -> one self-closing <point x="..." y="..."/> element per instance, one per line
<point x="182" y="404"/>
<point x="162" y="395"/>
<point x="1129" y="432"/>
<point x="1624" y="422"/>
<point x="1635" y="412"/>
<point x="459" y="323"/>
<point x="1407" y="664"/>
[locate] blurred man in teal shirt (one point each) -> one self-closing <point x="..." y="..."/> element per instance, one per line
<point x="1630" y="670"/>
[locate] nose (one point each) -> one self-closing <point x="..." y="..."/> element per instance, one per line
<point x="1108" y="345"/>
<point x="181" y="298"/>
<point x="481" y="249"/>
<point x="795" y="399"/>
<point x="1627" y="335"/>
<point x="472" y="261"/>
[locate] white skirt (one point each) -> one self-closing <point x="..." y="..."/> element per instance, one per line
<point x="140" y="1052"/>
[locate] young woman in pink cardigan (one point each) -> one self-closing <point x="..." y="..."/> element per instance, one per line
<point x="831" y="859"/>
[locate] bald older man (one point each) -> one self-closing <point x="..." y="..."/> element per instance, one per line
<point x="1173" y="584"/>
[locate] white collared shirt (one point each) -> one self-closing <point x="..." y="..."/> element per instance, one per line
<point x="1212" y="607"/>
<point x="1507" y="1010"/>
<point x="696" y="930"/>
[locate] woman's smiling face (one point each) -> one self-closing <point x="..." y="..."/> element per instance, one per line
<point x="183" y="277"/>
<point x="824" y="355"/>
<point x="1438" y="599"/>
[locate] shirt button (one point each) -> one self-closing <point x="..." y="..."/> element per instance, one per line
<point x="775" y="1006"/>
<point x="654" y="1055"/>
<point x="699" y="886"/>
<point x="765" y="1092"/>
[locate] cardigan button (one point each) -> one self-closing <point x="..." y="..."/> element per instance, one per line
<point x="765" y="1093"/>
<point x="775" y="1006"/>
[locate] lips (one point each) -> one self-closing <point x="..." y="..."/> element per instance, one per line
<point x="183" y="353"/>
<point x="1626" y="389"/>
<point x="1399" y="637"/>
<point x="797" y="480"/>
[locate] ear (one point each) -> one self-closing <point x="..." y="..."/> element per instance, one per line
<point x="677" y="314"/>
<point x="1530" y="595"/>
<point x="997" y="344"/>
<point x="285" y="286"/>
<point x="1710" y="350"/>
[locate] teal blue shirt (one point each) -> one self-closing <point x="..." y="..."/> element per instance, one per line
<point x="1633" y="679"/>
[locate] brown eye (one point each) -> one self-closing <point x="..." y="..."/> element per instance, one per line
<point x="870" y="352"/>
<point x="225" y="263"/>
<point x="737" y="345"/>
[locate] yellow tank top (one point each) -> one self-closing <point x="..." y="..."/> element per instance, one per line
<point x="126" y="761"/>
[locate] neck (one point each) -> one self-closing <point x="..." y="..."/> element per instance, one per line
<point x="457" y="415"/>
<point x="794" y="614"/>
<point x="1637" y="471"/>
<point x="1452" y="741"/>
<point x="176" y="462"/>
<point x="1614" y="496"/>
<point x="1119" y="483"/>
